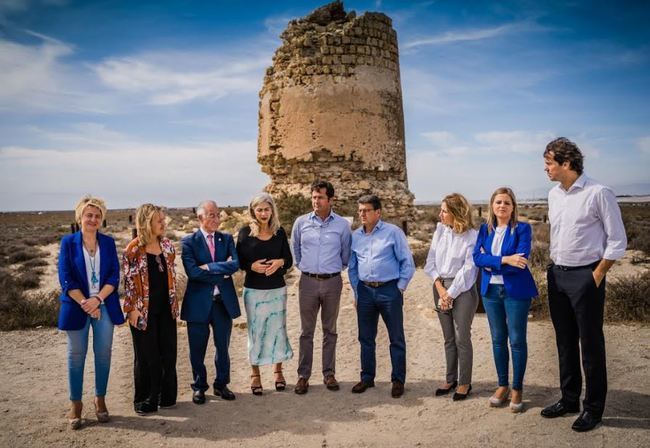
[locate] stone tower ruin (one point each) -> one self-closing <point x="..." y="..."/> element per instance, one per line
<point x="331" y="108"/>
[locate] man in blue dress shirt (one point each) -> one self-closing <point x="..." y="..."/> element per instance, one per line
<point x="381" y="266"/>
<point x="321" y="248"/>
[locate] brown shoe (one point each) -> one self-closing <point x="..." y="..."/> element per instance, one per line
<point x="302" y="386"/>
<point x="397" y="390"/>
<point x="331" y="383"/>
<point x="362" y="386"/>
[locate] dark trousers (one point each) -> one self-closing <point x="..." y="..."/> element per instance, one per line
<point x="385" y="301"/>
<point x="577" y="308"/>
<point x="154" y="366"/>
<point x="198" y="335"/>
<point x="315" y="294"/>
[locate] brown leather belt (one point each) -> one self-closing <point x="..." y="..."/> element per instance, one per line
<point x="376" y="284"/>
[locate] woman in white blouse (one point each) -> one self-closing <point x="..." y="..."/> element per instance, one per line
<point x="452" y="269"/>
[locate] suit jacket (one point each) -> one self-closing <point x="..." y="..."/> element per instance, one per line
<point x="197" y="301"/>
<point x="136" y="278"/>
<point x="72" y="275"/>
<point x="519" y="283"/>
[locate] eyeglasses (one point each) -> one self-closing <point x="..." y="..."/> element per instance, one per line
<point x="363" y="211"/>
<point x="161" y="267"/>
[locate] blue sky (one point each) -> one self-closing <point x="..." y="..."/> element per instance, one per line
<point x="157" y="101"/>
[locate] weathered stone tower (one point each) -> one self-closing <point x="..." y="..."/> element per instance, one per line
<point x="331" y="108"/>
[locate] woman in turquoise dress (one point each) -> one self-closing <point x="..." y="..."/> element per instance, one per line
<point x="265" y="256"/>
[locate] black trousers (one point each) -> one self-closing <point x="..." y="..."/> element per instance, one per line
<point x="154" y="366"/>
<point x="577" y="308"/>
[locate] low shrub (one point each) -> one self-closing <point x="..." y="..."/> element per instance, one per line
<point x="628" y="298"/>
<point x="539" y="307"/>
<point x="291" y="207"/>
<point x="420" y="256"/>
<point x="35" y="263"/>
<point x="26" y="254"/>
<point x="19" y="311"/>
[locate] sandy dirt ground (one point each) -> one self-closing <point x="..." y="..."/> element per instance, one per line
<point x="33" y="394"/>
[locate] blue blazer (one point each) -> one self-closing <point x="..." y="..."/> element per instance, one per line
<point x="197" y="301"/>
<point x="519" y="283"/>
<point x="72" y="275"/>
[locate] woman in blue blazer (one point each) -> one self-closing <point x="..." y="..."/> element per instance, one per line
<point x="507" y="286"/>
<point x="89" y="273"/>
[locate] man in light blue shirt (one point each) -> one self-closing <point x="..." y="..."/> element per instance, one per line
<point x="321" y="250"/>
<point x="381" y="266"/>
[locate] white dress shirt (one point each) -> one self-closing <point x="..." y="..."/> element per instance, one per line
<point x="450" y="256"/>
<point x="586" y="224"/>
<point x="497" y="243"/>
<point x="214" y="241"/>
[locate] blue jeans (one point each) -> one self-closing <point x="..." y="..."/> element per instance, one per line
<point x="508" y="319"/>
<point x="371" y="303"/>
<point x="77" y="348"/>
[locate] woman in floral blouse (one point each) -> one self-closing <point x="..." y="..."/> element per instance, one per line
<point x="151" y="306"/>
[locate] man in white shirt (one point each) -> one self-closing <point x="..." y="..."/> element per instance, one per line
<point x="587" y="236"/>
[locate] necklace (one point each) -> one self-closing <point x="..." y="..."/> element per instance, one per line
<point x="93" y="262"/>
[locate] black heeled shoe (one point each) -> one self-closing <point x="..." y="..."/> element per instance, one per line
<point x="458" y="396"/>
<point x="282" y="384"/>
<point x="441" y="391"/>
<point x="257" y="390"/>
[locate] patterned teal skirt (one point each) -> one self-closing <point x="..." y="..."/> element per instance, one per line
<point x="266" y="313"/>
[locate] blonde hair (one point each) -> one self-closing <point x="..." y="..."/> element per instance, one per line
<point x="89" y="201"/>
<point x="492" y="220"/>
<point x="274" y="221"/>
<point x="461" y="210"/>
<point x="143" y="217"/>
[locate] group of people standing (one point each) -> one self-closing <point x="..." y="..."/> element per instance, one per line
<point x="587" y="235"/>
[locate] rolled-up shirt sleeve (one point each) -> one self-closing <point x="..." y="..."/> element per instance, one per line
<point x="610" y="215"/>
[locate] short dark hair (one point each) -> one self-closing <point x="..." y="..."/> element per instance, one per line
<point x="370" y="199"/>
<point x="318" y="185"/>
<point x="564" y="150"/>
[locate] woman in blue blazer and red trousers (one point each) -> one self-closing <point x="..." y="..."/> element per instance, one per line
<point x="507" y="286"/>
<point x="89" y="273"/>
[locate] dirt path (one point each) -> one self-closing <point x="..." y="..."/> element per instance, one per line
<point x="33" y="394"/>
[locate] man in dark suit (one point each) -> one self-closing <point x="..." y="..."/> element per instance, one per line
<point x="209" y="258"/>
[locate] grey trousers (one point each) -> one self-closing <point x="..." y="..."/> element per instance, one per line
<point x="315" y="294"/>
<point x="457" y="330"/>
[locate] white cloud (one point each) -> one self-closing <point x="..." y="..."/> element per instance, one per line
<point x="473" y="34"/>
<point x="440" y="138"/>
<point x="277" y="24"/>
<point x="432" y="175"/>
<point x="522" y="142"/>
<point x="445" y="143"/>
<point x="14" y="6"/>
<point x="39" y="78"/>
<point x="643" y="145"/>
<point x="465" y="87"/>
<point x="126" y="171"/>
<point x="477" y="164"/>
<point x="45" y="78"/>
<point x="166" y="78"/>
